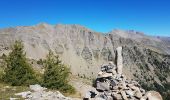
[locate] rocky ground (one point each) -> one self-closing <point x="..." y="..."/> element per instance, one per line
<point x="40" y="93"/>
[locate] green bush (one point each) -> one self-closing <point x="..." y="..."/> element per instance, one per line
<point x="56" y="74"/>
<point x="18" y="71"/>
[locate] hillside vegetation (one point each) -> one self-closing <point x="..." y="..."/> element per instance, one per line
<point x="16" y="71"/>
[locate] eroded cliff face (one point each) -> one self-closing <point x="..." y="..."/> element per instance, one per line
<point x="80" y="48"/>
<point x="145" y="58"/>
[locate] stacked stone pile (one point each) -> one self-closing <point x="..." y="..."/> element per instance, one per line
<point x="111" y="84"/>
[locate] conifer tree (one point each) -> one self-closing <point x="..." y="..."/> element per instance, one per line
<point x="56" y="74"/>
<point x="18" y="71"/>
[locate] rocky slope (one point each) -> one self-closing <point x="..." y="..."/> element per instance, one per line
<point x="146" y="58"/>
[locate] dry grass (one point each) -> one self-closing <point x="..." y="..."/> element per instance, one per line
<point x="7" y="91"/>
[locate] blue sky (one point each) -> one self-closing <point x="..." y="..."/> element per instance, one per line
<point x="149" y="16"/>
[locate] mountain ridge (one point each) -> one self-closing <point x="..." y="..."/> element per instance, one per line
<point x="84" y="50"/>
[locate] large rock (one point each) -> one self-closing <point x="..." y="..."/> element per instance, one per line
<point x="37" y="87"/>
<point x="152" y="95"/>
<point x="23" y="94"/>
<point x="39" y="93"/>
<point x="119" y="60"/>
<point x="102" y="86"/>
<point x="104" y="74"/>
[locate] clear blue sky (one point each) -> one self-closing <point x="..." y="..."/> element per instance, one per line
<point x="149" y="16"/>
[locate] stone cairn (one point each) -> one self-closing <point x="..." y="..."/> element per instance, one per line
<point x="111" y="84"/>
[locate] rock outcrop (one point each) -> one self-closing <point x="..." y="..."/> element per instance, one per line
<point x="119" y="60"/>
<point x="40" y="93"/>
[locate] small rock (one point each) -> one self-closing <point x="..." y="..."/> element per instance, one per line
<point x="144" y="98"/>
<point x="23" y="94"/>
<point x="13" y="98"/>
<point x="138" y="94"/>
<point x="142" y="91"/>
<point x="29" y="96"/>
<point x="46" y="94"/>
<point x="6" y="87"/>
<point x="127" y="81"/>
<point x="124" y="95"/>
<point x="114" y="72"/>
<point x="124" y="85"/>
<point x="134" y="88"/>
<point x="99" y="98"/>
<point x="37" y="87"/>
<point x="130" y="85"/>
<point x="130" y="93"/>
<point x="88" y="95"/>
<point x="59" y="94"/>
<point x="36" y="95"/>
<point x="117" y="96"/>
<point x="115" y="88"/>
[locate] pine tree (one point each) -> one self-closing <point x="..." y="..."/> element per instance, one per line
<point x="56" y="74"/>
<point x="18" y="71"/>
